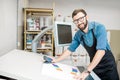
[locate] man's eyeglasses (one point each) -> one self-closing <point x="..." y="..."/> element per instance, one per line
<point x="81" y="19"/>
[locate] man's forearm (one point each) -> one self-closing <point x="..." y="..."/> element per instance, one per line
<point x="63" y="56"/>
<point x="97" y="58"/>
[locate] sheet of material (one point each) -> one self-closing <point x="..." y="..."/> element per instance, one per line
<point x="60" y="71"/>
<point x="22" y="65"/>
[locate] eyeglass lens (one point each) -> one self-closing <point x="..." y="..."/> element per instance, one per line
<point x="79" y="19"/>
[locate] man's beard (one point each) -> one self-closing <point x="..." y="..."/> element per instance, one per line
<point x="84" y="24"/>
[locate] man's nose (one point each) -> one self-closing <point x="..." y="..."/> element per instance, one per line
<point x="79" y="22"/>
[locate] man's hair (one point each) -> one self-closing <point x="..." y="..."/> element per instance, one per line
<point x="76" y="11"/>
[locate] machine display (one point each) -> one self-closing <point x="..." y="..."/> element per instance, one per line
<point x="63" y="33"/>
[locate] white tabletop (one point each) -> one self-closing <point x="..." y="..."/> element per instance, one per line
<point x="22" y="65"/>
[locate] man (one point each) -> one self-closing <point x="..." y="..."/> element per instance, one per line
<point x="93" y="37"/>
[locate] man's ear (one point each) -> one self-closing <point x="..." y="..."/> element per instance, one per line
<point x="87" y="17"/>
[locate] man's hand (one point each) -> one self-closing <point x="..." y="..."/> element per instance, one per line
<point x="82" y="76"/>
<point x="54" y="60"/>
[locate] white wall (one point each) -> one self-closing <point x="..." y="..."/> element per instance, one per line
<point x="21" y="4"/>
<point x="104" y="11"/>
<point x="8" y="25"/>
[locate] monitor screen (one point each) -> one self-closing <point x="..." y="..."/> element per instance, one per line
<point x="63" y="33"/>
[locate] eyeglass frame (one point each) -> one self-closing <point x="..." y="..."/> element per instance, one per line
<point x="79" y="19"/>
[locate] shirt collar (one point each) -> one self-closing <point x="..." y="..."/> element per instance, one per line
<point x="90" y="26"/>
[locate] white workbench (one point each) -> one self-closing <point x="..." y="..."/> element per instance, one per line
<point x="22" y="65"/>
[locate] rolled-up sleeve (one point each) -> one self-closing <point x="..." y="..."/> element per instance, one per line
<point x="101" y="35"/>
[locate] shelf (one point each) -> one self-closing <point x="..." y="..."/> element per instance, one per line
<point x="36" y="32"/>
<point x="36" y="20"/>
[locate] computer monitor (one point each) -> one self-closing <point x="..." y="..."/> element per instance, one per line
<point x="63" y="33"/>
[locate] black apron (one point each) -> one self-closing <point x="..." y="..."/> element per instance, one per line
<point x="106" y="69"/>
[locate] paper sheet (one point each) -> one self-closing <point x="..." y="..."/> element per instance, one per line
<point x="59" y="71"/>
